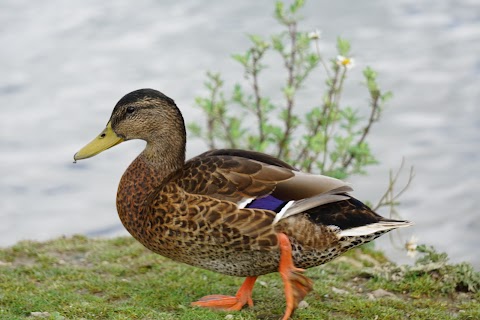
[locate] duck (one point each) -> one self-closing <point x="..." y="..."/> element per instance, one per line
<point x="235" y="212"/>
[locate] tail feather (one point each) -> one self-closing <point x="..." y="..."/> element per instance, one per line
<point x="383" y="225"/>
<point x="300" y="206"/>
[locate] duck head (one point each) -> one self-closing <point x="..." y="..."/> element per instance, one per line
<point x="144" y="114"/>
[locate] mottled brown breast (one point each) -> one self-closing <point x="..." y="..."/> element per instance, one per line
<point x="138" y="182"/>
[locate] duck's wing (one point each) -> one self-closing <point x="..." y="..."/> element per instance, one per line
<point x="257" y="180"/>
<point x="231" y="177"/>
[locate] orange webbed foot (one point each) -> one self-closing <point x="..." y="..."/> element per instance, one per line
<point x="296" y="284"/>
<point x="229" y="303"/>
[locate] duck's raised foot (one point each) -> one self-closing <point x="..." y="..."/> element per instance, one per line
<point x="295" y="283"/>
<point x="229" y="303"/>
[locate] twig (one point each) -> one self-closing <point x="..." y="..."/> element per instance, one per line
<point x="321" y="59"/>
<point x="256" y="56"/>
<point x="217" y="115"/>
<point x="212" y="117"/>
<point x="290" y="65"/>
<point x="372" y="118"/>
<point x="227" y="129"/>
<point x="335" y="107"/>
<point x="389" y="197"/>
<point x="325" y="114"/>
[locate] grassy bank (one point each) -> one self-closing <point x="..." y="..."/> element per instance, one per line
<point x="81" y="278"/>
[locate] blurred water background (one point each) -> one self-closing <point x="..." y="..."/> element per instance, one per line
<point x="64" y="64"/>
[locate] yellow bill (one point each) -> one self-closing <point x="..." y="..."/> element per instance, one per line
<point x="105" y="140"/>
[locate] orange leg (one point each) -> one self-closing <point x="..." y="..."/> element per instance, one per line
<point x="296" y="284"/>
<point x="217" y="301"/>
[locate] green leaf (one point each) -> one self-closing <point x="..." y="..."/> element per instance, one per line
<point x="258" y="42"/>
<point x="289" y="92"/>
<point x="279" y="10"/>
<point x="296" y="5"/>
<point x="195" y="129"/>
<point x="303" y="41"/>
<point x="266" y="105"/>
<point x="386" y="96"/>
<point x="369" y="73"/>
<point x="343" y="47"/>
<point x="339" y="173"/>
<point x="295" y="121"/>
<point x="275" y="133"/>
<point x="235" y="128"/>
<point x="277" y="43"/>
<point x="237" y="93"/>
<point x="313" y="59"/>
<point x="242" y="59"/>
<point x="316" y="143"/>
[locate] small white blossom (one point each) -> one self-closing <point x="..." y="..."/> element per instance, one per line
<point x="411" y="247"/>
<point x="345" y="62"/>
<point x="315" y="35"/>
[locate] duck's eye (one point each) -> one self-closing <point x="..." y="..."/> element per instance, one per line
<point x="130" y="109"/>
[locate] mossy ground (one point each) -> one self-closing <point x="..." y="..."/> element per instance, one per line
<point x="82" y="278"/>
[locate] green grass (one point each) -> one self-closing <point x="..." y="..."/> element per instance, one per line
<point x="82" y="278"/>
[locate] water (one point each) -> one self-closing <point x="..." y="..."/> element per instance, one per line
<point x="65" y="64"/>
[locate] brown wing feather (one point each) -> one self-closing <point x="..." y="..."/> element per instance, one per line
<point x="253" y="155"/>
<point x="228" y="177"/>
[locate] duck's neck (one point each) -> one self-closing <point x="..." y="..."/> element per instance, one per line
<point x="165" y="157"/>
<point x="144" y="175"/>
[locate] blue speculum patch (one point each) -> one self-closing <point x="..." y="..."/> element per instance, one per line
<point x="269" y="203"/>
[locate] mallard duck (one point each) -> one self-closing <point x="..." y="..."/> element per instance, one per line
<point x="236" y="212"/>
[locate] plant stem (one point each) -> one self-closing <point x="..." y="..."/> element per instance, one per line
<point x="290" y="65"/>
<point x="256" y="91"/>
<point x="321" y="59"/>
<point x="372" y="118"/>
<point x="335" y="107"/>
<point x="389" y="197"/>
<point x="212" y="117"/>
<point x="327" y="106"/>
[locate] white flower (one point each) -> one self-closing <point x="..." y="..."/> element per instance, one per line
<point x="315" y="34"/>
<point x="345" y="62"/>
<point x="411" y="246"/>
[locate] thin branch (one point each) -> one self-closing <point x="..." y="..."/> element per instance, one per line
<point x="217" y="115"/>
<point x="335" y="107"/>
<point x="290" y="65"/>
<point x="389" y="197"/>
<point x="256" y="91"/>
<point x="411" y="176"/>
<point x="211" y="116"/>
<point x="228" y="134"/>
<point x="325" y="116"/>
<point x="321" y="59"/>
<point x="210" y="135"/>
<point x="372" y="118"/>
<point x="304" y="152"/>
<point x="338" y="92"/>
